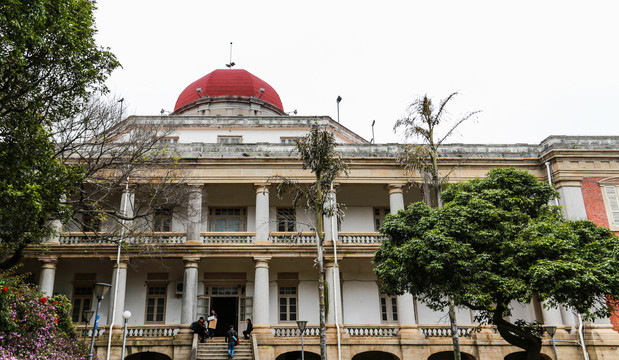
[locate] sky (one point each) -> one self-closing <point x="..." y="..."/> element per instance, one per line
<point x="532" y="68"/>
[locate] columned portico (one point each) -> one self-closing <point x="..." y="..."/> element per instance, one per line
<point x="331" y="221"/>
<point x="194" y="212"/>
<point x="262" y="212"/>
<point x="261" y="291"/>
<point x="119" y="285"/>
<point x="190" y="290"/>
<point x="48" y="274"/>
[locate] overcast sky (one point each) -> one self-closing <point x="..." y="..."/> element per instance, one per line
<point x="534" y="68"/>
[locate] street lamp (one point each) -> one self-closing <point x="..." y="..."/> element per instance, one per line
<point x="551" y="330"/>
<point x="126" y="316"/>
<point x="86" y="316"/>
<point x="101" y="290"/>
<point x="302" y="324"/>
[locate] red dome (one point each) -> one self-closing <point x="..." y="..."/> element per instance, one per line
<point x="229" y="82"/>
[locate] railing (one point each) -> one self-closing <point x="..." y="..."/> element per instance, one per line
<point x="372" y="331"/>
<point x="293" y="238"/>
<point x="152" y="332"/>
<point x="361" y="238"/>
<point x="87" y="334"/>
<point x="444" y="330"/>
<point x="285" y="331"/>
<point x="107" y="238"/>
<point x="228" y="237"/>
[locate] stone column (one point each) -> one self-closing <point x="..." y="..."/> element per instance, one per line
<point x="119" y="275"/>
<point x="551" y="316"/>
<point x="331" y="220"/>
<point x="127" y="203"/>
<point x="54" y="238"/>
<point x="261" y="291"/>
<point x="48" y="273"/>
<point x="332" y="274"/>
<point x="406" y="304"/>
<point x="262" y="212"/>
<point x="396" y="197"/>
<point x="194" y="213"/>
<point x="190" y="290"/>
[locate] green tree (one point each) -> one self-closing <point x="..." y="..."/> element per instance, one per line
<point x="422" y="123"/>
<point x="49" y="63"/>
<point x="496" y="240"/>
<point x="318" y="154"/>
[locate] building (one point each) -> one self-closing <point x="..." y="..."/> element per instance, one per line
<point x="235" y="247"/>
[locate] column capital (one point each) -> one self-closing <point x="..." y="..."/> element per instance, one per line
<point x="395" y="188"/>
<point x="262" y="187"/>
<point x="191" y="262"/>
<point x="262" y="261"/>
<point x="124" y="261"/>
<point x="48" y="262"/>
<point x="330" y="261"/>
<point x="195" y="187"/>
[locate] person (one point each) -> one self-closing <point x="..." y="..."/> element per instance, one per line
<point x="199" y="327"/>
<point x="231" y="339"/>
<point x="248" y="329"/>
<point x="212" y="324"/>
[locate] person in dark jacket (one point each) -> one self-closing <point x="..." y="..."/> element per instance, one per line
<point x="199" y="327"/>
<point x="248" y="329"/>
<point x="231" y="337"/>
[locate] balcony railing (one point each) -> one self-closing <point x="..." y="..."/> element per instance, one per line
<point x="293" y="331"/>
<point x="372" y="331"/>
<point x="284" y="238"/>
<point x="138" y="331"/>
<point x="444" y="330"/>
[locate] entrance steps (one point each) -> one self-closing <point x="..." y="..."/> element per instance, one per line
<point x="217" y="349"/>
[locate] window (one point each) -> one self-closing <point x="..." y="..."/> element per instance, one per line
<point x="289" y="140"/>
<point x="612" y="200"/>
<point x="228" y="219"/>
<point x="388" y="309"/>
<point x="82" y="300"/>
<point x="287" y="303"/>
<point x="379" y="217"/>
<point x="162" y="220"/>
<point x="155" y="303"/>
<point x="286" y="219"/>
<point x="229" y="139"/>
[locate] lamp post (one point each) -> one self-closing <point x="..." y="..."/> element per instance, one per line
<point x="302" y="324"/>
<point x="86" y="316"/>
<point x="339" y="98"/>
<point x="126" y="316"/>
<point x="101" y="290"/>
<point x="551" y="330"/>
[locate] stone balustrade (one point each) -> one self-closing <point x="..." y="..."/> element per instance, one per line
<point x="361" y="238"/>
<point x="293" y="238"/>
<point x="228" y="237"/>
<point x="372" y="331"/>
<point x="444" y="330"/>
<point x="290" y="331"/>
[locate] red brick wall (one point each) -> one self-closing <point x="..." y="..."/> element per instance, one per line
<point x="596" y="212"/>
<point x="594" y="203"/>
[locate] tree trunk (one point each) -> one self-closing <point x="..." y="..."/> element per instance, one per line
<point x="517" y="336"/>
<point x="454" y="329"/>
<point x="321" y="272"/>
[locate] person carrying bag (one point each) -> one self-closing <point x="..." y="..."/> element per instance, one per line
<point x="233" y="339"/>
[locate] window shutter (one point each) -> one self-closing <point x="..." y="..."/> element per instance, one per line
<point x="613" y="202"/>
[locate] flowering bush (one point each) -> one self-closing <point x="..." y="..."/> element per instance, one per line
<point x="33" y="326"/>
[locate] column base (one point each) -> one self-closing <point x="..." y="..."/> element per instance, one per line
<point x="410" y="332"/>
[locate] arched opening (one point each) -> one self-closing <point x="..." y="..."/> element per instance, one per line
<point x="148" y="356"/>
<point x="296" y="355"/>
<point x="375" y="355"/>
<point x="449" y="355"/>
<point x="522" y="355"/>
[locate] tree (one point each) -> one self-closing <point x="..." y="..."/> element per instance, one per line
<point x="421" y="123"/>
<point x="496" y="240"/>
<point x="318" y="154"/>
<point x="49" y="63"/>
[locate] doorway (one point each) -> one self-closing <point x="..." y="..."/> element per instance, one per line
<point x="227" y="313"/>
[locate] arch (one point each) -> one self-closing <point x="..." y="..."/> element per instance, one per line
<point x="294" y="355"/>
<point x="148" y="356"/>
<point x="375" y="355"/>
<point x="449" y="355"/>
<point x="522" y="355"/>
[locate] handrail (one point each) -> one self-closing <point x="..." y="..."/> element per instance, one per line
<point x="254" y="345"/>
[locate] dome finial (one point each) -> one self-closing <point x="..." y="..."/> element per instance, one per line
<point x="231" y="63"/>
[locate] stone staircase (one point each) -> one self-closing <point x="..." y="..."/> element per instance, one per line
<point x="217" y="349"/>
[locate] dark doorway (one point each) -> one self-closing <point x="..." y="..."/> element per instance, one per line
<point x="296" y="355"/>
<point x="227" y="313"/>
<point x="449" y="355"/>
<point x="375" y="355"/>
<point x="147" y="356"/>
<point x="521" y="355"/>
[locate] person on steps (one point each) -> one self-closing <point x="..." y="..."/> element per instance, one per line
<point x="231" y="338"/>
<point x="248" y="329"/>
